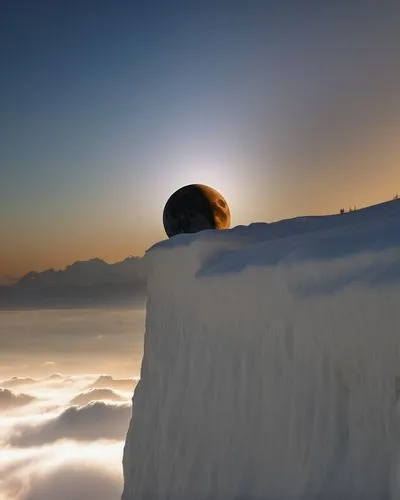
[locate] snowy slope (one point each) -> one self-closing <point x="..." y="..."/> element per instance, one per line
<point x="271" y="365"/>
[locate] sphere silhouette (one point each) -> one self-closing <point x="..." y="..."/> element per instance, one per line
<point x="194" y="208"/>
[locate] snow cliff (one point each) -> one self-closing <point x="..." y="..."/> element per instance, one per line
<point x="271" y="365"/>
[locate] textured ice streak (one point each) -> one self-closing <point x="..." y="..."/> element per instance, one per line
<point x="271" y="364"/>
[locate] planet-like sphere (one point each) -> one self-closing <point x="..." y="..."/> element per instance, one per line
<point x="194" y="208"/>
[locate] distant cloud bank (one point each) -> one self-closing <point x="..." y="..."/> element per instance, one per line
<point x="17" y="381"/>
<point x="108" y="382"/>
<point x="81" y="284"/>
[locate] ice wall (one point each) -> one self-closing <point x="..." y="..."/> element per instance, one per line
<point x="271" y="363"/>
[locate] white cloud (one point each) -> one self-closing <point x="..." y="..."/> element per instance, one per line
<point x="10" y="399"/>
<point x="97" y="395"/>
<point x="88" y="423"/>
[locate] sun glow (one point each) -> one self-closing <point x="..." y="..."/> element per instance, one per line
<point x="193" y="170"/>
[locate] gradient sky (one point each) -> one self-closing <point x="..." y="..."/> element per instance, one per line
<point x="106" y="107"/>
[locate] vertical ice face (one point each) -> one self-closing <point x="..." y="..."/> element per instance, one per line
<point x="271" y="364"/>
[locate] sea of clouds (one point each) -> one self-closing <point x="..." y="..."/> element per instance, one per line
<point x="62" y="437"/>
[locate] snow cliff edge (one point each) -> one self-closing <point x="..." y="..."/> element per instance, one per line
<point x="271" y="363"/>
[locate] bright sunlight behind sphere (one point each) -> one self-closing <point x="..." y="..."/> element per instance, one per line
<point x="219" y="176"/>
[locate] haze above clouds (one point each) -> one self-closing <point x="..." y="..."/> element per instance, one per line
<point x="36" y="343"/>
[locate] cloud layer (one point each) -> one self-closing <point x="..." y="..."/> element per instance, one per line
<point x="51" y="450"/>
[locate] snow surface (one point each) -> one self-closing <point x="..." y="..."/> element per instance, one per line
<point x="271" y="365"/>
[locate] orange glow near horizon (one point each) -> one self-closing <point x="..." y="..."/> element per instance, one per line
<point x="20" y="255"/>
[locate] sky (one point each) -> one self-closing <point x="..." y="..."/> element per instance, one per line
<point x="107" y="107"/>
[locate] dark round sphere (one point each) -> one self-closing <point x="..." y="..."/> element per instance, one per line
<point x="194" y="208"/>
